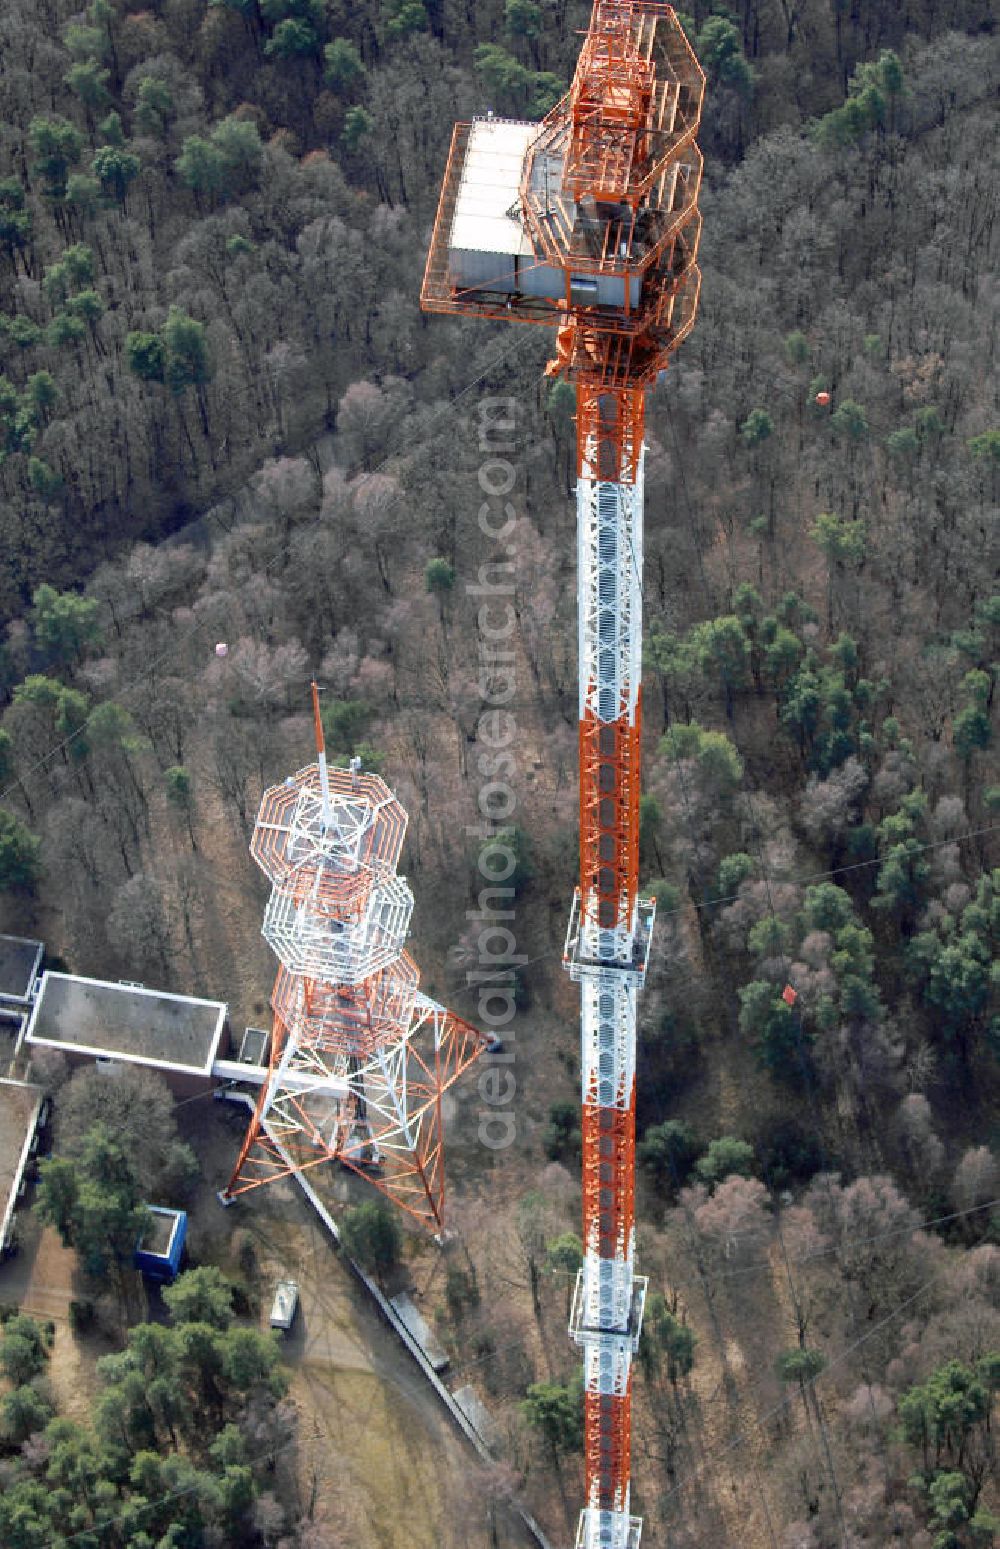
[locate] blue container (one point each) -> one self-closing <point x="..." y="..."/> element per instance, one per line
<point x="159" y="1250"/>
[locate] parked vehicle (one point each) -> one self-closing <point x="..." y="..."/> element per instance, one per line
<point x="285" y="1304"/>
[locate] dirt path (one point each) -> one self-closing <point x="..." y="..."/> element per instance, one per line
<point x="39" y="1279"/>
<point x="383" y="1443"/>
<point x="377" y="1450"/>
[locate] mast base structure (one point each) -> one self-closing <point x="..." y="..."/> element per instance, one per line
<point x="359" y="1058"/>
<point x="589" y="222"/>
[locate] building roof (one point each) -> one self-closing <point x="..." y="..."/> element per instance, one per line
<point x="410" y="1315"/>
<point x="254" y="1047"/>
<point x="19" y="1105"/>
<point x="129" y="1023"/>
<point x="158" y="1238"/>
<point x="20" y="960"/>
<point x="491" y="179"/>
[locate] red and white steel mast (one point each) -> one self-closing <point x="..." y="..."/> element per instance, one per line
<point x="589" y="221"/>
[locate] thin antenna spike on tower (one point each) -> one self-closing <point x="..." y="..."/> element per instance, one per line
<point x="324" y="778"/>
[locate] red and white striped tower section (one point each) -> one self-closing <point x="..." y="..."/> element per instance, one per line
<point x="589" y="221"/>
<point x="359" y="1059"/>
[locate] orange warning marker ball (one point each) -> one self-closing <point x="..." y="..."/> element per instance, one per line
<point x="822" y="399"/>
<point x="788" y="995"/>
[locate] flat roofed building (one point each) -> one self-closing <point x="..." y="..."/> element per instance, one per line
<point x="20" y="961"/>
<point x="160" y="1249"/>
<point x="94" y="1019"/>
<point x="20" y="1105"/>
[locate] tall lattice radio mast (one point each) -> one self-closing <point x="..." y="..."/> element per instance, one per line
<point x="589" y="221"/>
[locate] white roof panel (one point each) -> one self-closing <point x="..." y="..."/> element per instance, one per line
<point x="491" y="178"/>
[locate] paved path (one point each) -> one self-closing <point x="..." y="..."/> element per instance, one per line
<point x="39" y="1278"/>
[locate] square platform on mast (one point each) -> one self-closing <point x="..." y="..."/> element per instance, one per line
<point x="607" y="1530"/>
<point x="633" y="956"/>
<point x="584" y="1334"/>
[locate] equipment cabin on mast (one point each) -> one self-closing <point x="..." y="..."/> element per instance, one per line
<point x="589" y="218"/>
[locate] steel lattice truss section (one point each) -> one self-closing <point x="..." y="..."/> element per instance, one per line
<point x="598" y="237"/>
<point x="359" y="1059"/>
<point x="333" y="854"/>
<point x="608" y="954"/>
<point x="608" y="531"/>
<point x="337" y="908"/>
<point x="609" y="107"/>
<point x="347" y="1019"/>
<point x="380" y="1115"/>
<point x="307" y="940"/>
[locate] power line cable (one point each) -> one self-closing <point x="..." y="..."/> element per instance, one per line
<point x="703" y="1280"/>
<point x="724" y="1277"/>
<point x="803" y="1059"/>
<point x="713" y="1459"/>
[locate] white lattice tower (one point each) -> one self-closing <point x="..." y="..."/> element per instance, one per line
<point x="359" y="1058"/>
